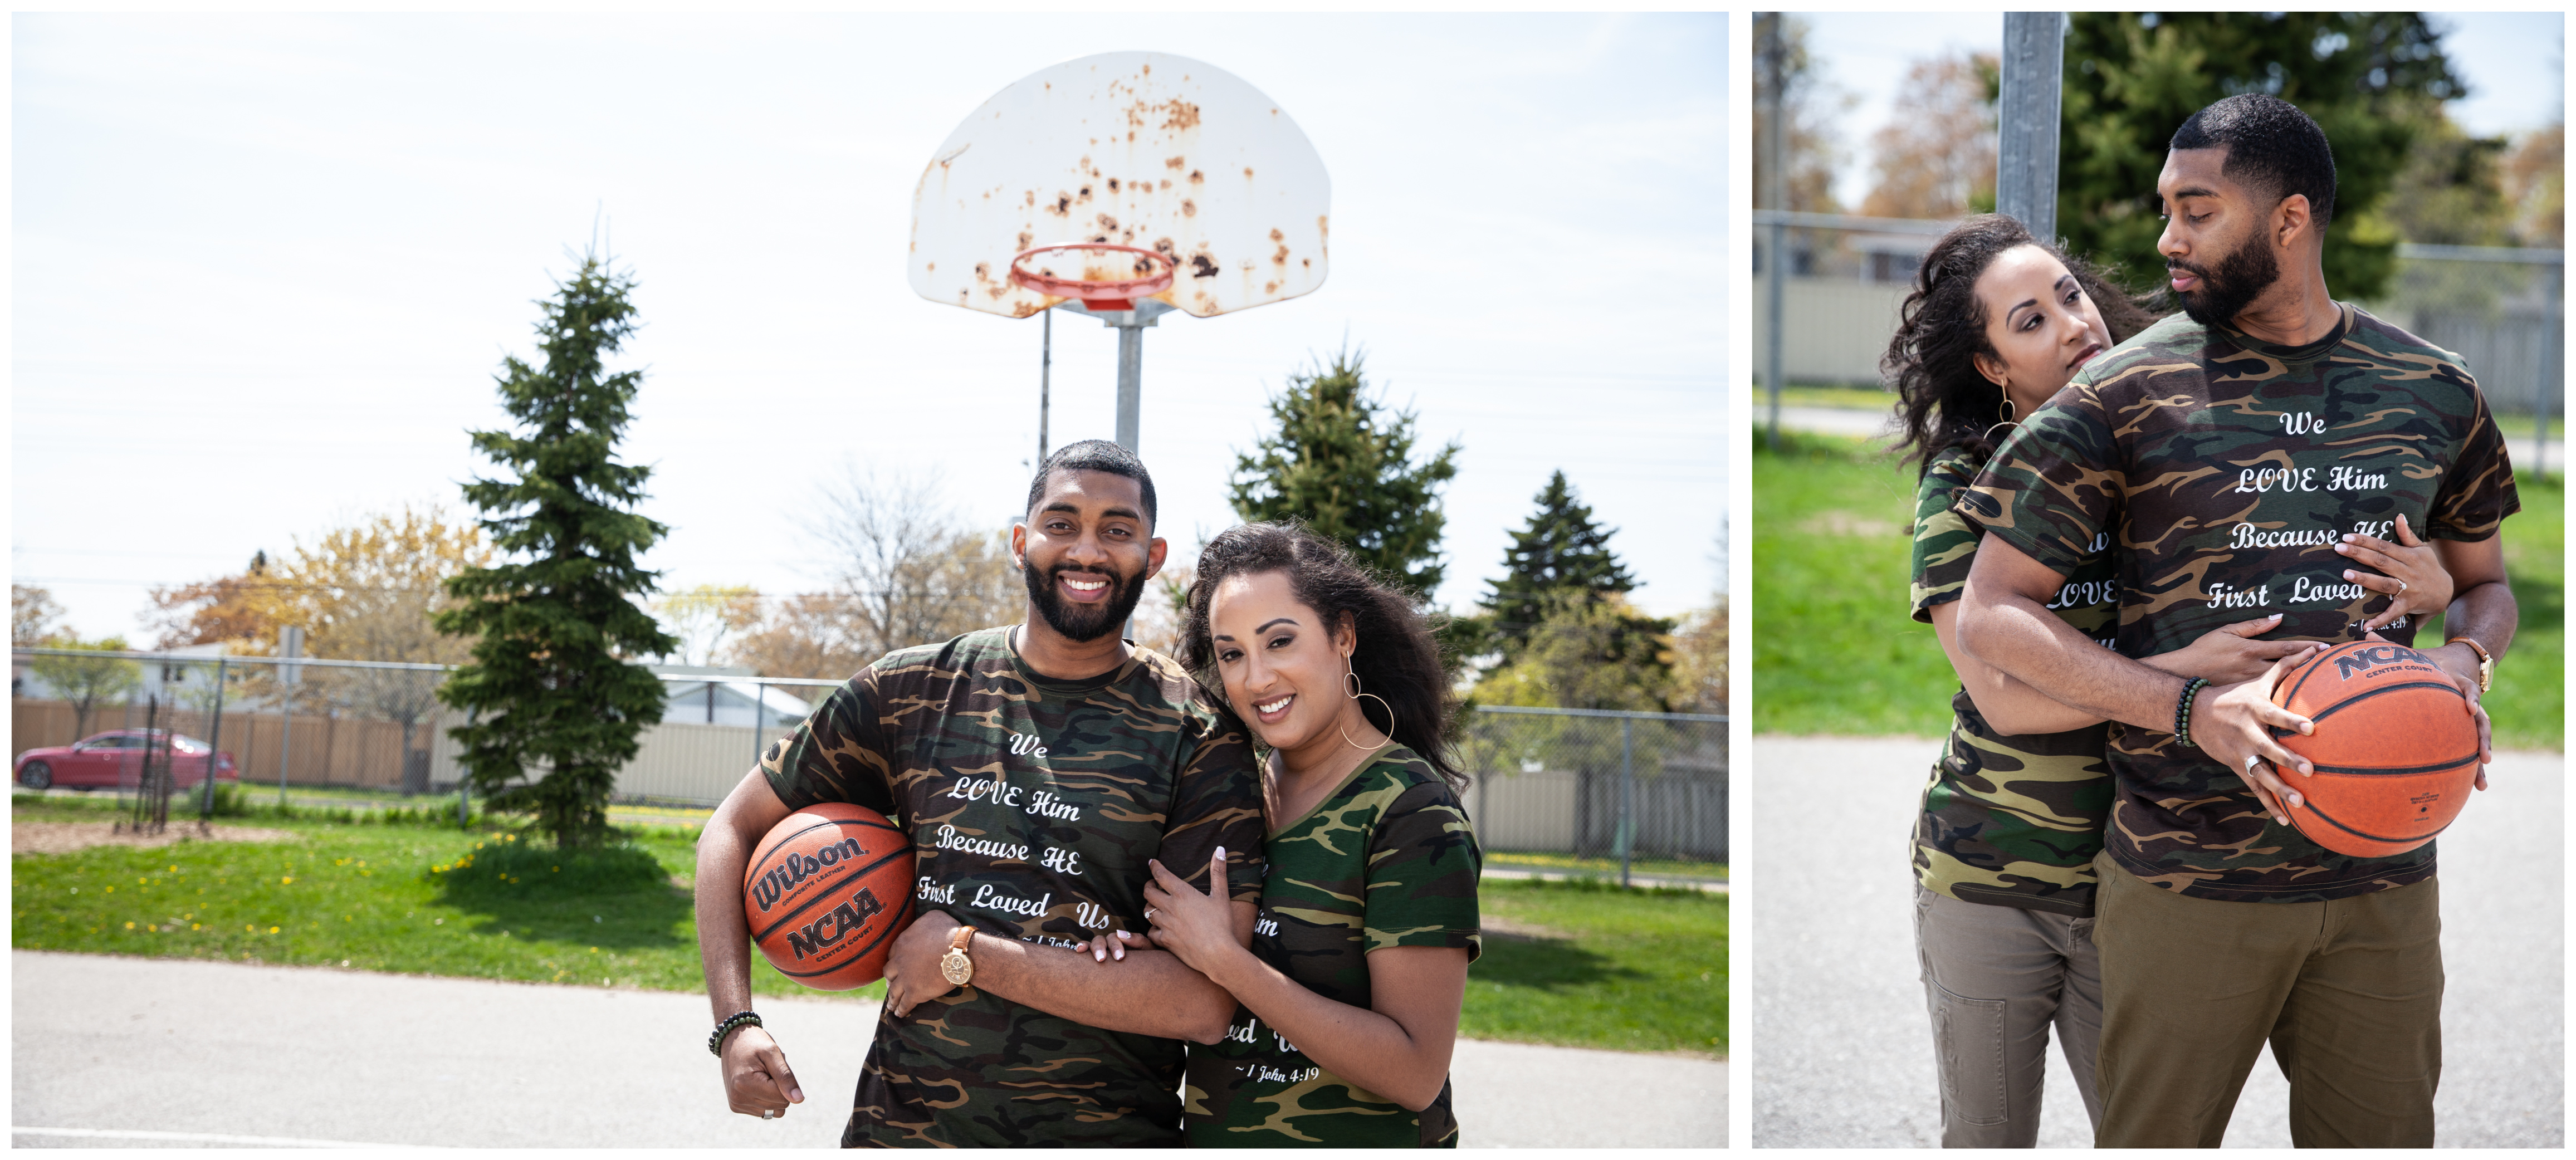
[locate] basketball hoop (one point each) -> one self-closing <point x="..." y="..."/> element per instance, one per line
<point x="1098" y="293"/>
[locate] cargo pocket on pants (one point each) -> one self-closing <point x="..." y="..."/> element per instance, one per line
<point x="1969" y="1034"/>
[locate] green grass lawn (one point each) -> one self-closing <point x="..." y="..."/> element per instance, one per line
<point x="1612" y="968"/>
<point x="1588" y="964"/>
<point x="1836" y="652"/>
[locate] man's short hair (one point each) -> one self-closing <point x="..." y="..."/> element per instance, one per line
<point x="2272" y="148"/>
<point x="1094" y="455"/>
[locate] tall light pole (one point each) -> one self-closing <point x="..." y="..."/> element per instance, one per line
<point x="2026" y="120"/>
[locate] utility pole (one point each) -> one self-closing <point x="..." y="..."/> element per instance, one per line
<point x="2026" y="120"/>
<point x="1771" y="43"/>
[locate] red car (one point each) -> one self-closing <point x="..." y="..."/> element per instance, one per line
<point x="115" y="758"/>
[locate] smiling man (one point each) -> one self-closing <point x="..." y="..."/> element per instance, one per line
<point x="2230" y="458"/>
<point x="1037" y="769"/>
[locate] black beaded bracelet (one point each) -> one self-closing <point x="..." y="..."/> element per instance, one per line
<point x="2182" y="710"/>
<point x="715" y="1042"/>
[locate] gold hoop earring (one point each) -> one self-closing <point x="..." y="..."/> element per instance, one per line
<point x="2007" y="412"/>
<point x="1352" y="691"/>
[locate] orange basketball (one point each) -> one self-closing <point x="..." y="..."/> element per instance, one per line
<point x="2396" y="748"/>
<point x="826" y="892"/>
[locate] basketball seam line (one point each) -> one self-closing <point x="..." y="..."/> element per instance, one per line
<point x="764" y="855"/>
<point x="2329" y="820"/>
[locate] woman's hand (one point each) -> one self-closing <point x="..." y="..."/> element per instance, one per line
<point x="2416" y="581"/>
<point x="1199" y="928"/>
<point x="2229" y="654"/>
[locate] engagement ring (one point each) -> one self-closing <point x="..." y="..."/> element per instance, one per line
<point x="1149" y="914"/>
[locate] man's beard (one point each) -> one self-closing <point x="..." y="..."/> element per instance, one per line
<point x="2244" y="273"/>
<point x="1083" y="622"/>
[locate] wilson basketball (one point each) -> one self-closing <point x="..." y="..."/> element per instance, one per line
<point x="826" y="893"/>
<point x="2396" y="749"/>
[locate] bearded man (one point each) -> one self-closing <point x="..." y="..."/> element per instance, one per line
<point x="2230" y="457"/>
<point x="1037" y="769"/>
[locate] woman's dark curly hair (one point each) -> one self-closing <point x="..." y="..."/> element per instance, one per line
<point x="1396" y="656"/>
<point x="1942" y="401"/>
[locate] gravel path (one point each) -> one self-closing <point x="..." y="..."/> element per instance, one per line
<point x="128" y="1052"/>
<point x="1841" y="1047"/>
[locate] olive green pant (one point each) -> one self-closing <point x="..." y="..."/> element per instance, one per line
<point x="1998" y="978"/>
<point x="2349" y="992"/>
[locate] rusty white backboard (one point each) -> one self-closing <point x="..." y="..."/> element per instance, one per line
<point x="1131" y="148"/>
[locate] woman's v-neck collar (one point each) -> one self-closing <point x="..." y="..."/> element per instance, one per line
<point x="1338" y="787"/>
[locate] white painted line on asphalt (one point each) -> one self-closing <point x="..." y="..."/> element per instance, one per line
<point x="200" y="1138"/>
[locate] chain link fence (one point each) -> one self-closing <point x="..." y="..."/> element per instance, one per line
<point x="1586" y="784"/>
<point x="1598" y="784"/>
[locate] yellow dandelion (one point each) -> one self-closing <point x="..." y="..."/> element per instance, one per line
<point x="272" y="930"/>
<point x="286" y="881"/>
<point x="129" y="926"/>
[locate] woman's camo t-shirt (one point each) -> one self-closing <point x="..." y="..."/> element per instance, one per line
<point x="2008" y="820"/>
<point x="1388" y="860"/>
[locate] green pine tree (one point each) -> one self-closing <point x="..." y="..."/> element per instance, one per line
<point x="1561" y="548"/>
<point x="2133" y="78"/>
<point x="549" y="685"/>
<point x="1343" y="463"/>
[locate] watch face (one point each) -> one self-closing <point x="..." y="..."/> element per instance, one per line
<point x="955" y="966"/>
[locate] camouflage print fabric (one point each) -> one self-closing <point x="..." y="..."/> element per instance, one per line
<point x="1033" y="806"/>
<point x="2224" y="468"/>
<point x="2007" y="820"/>
<point x="1388" y="860"/>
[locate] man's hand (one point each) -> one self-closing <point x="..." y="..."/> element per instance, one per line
<point x="2229" y="723"/>
<point x="757" y="1080"/>
<point x="912" y="968"/>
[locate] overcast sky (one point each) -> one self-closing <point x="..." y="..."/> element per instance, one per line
<point x="2514" y="62"/>
<point x="265" y="267"/>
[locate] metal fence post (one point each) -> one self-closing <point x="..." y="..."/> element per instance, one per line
<point x="2548" y="366"/>
<point x="1627" y="794"/>
<point x="214" y="746"/>
<point x="290" y="642"/>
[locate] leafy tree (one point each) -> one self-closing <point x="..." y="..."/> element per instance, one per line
<point x="2535" y="183"/>
<point x="1344" y="464"/>
<point x="1560" y="548"/>
<point x="32" y="613"/>
<point x="1938" y="160"/>
<point x="1699" y="660"/>
<point x="1588" y="651"/>
<point x="1814" y="105"/>
<point x="238" y="609"/>
<point x="554" y="621"/>
<point x="2451" y="191"/>
<point x="87" y="682"/>
<point x="2132" y="78"/>
<point x="706" y="616"/>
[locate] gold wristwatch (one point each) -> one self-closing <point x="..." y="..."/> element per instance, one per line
<point x="955" y="966"/>
<point x="2486" y="663"/>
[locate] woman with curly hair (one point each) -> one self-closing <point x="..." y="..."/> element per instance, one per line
<point x="1998" y="321"/>
<point x="1348" y="997"/>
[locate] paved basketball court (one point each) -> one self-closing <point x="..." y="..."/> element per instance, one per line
<point x="1842" y="1050"/>
<point x="123" y="1052"/>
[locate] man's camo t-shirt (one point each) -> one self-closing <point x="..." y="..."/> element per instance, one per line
<point x="1387" y="860"/>
<point x="1033" y="806"/>
<point x="2008" y="820"/>
<point x="2225" y="469"/>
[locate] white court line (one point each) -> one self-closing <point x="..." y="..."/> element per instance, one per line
<point x="200" y="1138"/>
